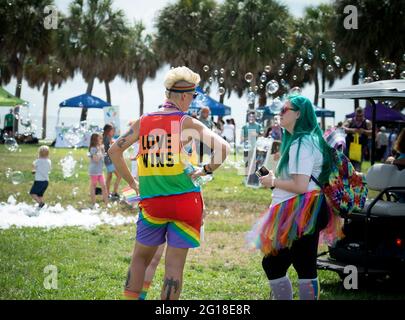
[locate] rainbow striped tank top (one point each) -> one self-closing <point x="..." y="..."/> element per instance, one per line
<point x="161" y="155"/>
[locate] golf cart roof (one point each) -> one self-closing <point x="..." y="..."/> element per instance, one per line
<point x="386" y="89"/>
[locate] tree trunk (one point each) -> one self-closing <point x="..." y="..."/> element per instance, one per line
<point x="323" y="100"/>
<point x="262" y="98"/>
<point x="355" y="80"/>
<point x="316" y="80"/>
<point x="83" y="116"/>
<point x="19" y="84"/>
<point x="108" y="91"/>
<point x="139" y="83"/>
<point x="44" y="112"/>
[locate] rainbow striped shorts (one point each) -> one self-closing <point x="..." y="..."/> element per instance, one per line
<point x="175" y="218"/>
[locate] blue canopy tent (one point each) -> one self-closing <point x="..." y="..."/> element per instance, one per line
<point x="217" y="108"/>
<point x="83" y="101"/>
<point x="324" y="112"/>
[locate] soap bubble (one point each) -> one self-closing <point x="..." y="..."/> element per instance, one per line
<point x="337" y="60"/>
<point x="206" y="68"/>
<point x="8" y="173"/>
<point x="294" y="77"/>
<point x="376" y="52"/>
<point x="68" y="165"/>
<point x="368" y="79"/>
<point x="307" y="67"/>
<point x="73" y="137"/>
<point x="222" y="71"/>
<point x="11" y="144"/>
<point x="323" y="56"/>
<point x="276" y="106"/>
<point x="283" y="83"/>
<point x="75" y="191"/>
<point x="263" y="144"/>
<point x="403" y="74"/>
<point x="221" y="90"/>
<point x="267" y="68"/>
<point x="329" y="68"/>
<point x="233" y="72"/>
<point x="272" y="87"/>
<point x="17" y="177"/>
<point x="215" y="72"/>
<point x="280" y="72"/>
<point x="221" y="80"/>
<point x="251" y="97"/>
<point x="249" y="77"/>
<point x="310" y="55"/>
<point x="263" y="78"/>
<point x="296" y="91"/>
<point x="349" y="66"/>
<point x="258" y="49"/>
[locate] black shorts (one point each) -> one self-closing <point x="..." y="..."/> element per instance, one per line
<point x="39" y="188"/>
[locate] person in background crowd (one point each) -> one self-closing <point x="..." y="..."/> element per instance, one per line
<point x="381" y="144"/>
<point x="8" y="123"/>
<point x="108" y="134"/>
<point x="399" y="149"/>
<point x="203" y="149"/>
<point x="229" y="131"/>
<point x="392" y="137"/>
<point x="361" y="126"/>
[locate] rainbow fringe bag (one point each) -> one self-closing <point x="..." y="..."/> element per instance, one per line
<point x="346" y="191"/>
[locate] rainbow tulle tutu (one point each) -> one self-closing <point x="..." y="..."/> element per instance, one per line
<point x="285" y="222"/>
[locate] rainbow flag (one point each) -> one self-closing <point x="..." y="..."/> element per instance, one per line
<point x="130" y="195"/>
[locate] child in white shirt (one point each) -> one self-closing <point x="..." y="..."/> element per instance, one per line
<point x="41" y="168"/>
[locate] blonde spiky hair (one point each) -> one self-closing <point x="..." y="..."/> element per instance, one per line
<point x="181" y="79"/>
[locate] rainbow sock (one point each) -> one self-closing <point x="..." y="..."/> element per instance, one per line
<point x="144" y="291"/>
<point x="309" y="289"/>
<point x="131" y="295"/>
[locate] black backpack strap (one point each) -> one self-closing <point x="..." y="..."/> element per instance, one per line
<point x="316" y="181"/>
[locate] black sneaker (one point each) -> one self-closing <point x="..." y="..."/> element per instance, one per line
<point x="41" y="205"/>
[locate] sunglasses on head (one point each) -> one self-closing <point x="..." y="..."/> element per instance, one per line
<point x="284" y="110"/>
<point x="195" y="94"/>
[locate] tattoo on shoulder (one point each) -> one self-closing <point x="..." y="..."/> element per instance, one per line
<point x="123" y="139"/>
<point x="169" y="285"/>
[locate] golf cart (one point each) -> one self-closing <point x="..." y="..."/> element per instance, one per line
<point x="374" y="239"/>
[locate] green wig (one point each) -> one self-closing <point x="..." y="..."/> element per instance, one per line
<point x="306" y="126"/>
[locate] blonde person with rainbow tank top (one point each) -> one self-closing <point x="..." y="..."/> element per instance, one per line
<point x="171" y="206"/>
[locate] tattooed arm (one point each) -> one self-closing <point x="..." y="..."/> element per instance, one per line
<point x="117" y="150"/>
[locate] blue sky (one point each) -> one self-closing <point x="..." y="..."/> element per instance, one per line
<point x="125" y="94"/>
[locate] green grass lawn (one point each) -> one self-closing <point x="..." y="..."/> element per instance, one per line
<point x="92" y="264"/>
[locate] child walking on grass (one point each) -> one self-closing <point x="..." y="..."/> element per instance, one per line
<point x="108" y="134"/>
<point x="41" y="168"/>
<point x="96" y="154"/>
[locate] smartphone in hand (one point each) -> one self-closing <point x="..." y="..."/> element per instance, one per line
<point x="263" y="171"/>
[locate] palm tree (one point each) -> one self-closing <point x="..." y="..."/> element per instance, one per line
<point x="141" y="61"/>
<point x="184" y="33"/>
<point x="22" y="34"/>
<point x="375" y="46"/>
<point x="113" y="53"/>
<point x="250" y="35"/>
<point x="51" y="72"/>
<point x="87" y="34"/>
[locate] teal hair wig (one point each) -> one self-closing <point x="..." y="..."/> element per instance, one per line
<point x="305" y="126"/>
